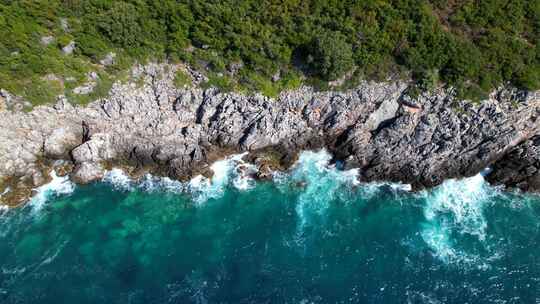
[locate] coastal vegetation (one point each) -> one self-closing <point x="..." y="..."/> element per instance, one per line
<point x="49" y="47"/>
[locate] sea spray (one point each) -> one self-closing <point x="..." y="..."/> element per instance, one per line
<point x="118" y="179"/>
<point x="151" y="183"/>
<point x="59" y="185"/>
<point x="232" y="168"/>
<point x="320" y="182"/>
<point x="455" y="208"/>
<point x="230" y="171"/>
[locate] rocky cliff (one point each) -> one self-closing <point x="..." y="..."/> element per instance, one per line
<point x="376" y="127"/>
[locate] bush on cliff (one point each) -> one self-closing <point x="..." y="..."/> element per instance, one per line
<point x="331" y="55"/>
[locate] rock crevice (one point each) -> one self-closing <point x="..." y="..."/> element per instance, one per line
<point x="376" y="127"/>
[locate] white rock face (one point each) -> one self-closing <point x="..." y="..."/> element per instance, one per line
<point x="87" y="172"/>
<point x="180" y="130"/>
<point x="61" y="141"/>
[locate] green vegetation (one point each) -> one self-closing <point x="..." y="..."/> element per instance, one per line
<point x="270" y="45"/>
<point x="331" y="55"/>
<point x="182" y="79"/>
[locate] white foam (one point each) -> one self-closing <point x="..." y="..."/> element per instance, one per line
<point x="322" y="183"/>
<point x="3" y="210"/>
<point x="59" y="185"/>
<point x="5" y="191"/>
<point x="151" y="183"/>
<point x="118" y="179"/>
<point x="243" y="179"/>
<point x="455" y="207"/>
<point x="372" y="189"/>
<point x="232" y="169"/>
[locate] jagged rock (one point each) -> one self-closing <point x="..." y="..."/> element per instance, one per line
<point x="60" y="142"/>
<point x="87" y="172"/>
<point x="373" y="127"/>
<point x="97" y="149"/>
<point x="386" y="111"/>
<point x="520" y="168"/>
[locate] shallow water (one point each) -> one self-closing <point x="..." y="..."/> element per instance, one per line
<point x="314" y="235"/>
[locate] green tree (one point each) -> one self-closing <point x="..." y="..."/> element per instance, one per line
<point x="121" y="25"/>
<point x="331" y="55"/>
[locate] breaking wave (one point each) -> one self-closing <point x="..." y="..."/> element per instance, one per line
<point x="118" y="179"/>
<point x="452" y="210"/>
<point x="321" y="183"/>
<point x="232" y="169"/>
<point x="151" y="183"/>
<point x="59" y="185"/>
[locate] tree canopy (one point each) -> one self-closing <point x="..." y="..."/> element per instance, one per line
<point x="472" y="45"/>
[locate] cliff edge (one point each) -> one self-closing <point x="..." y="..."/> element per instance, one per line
<point x="376" y="127"/>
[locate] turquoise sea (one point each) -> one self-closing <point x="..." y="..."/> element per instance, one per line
<point x="312" y="235"/>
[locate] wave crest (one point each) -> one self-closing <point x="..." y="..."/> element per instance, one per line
<point x="455" y="208"/>
<point x="59" y="185"/>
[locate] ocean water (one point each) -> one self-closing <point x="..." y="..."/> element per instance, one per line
<point x="311" y="235"/>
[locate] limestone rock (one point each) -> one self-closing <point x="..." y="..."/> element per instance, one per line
<point x="60" y="142"/>
<point x="373" y="127"/>
<point x="87" y="172"/>
<point x="109" y="59"/>
<point x="520" y="167"/>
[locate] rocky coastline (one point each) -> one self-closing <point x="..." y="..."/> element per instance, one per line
<point x="153" y="126"/>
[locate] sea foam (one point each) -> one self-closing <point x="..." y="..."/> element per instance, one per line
<point x="322" y="183"/>
<point x="151" y="183"/>
<point x="455" y="207"/>
<point x="118" y="179"/>
<point x="59" y="185"/>
<point x="231" y="170"/>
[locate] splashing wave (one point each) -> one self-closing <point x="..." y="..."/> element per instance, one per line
<point x="321" y="183"/>
<point x="455" y="208"/>
<point x="59" y="185"/>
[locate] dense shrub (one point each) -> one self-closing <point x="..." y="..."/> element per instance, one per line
<point x="331" y="55"/>
<point x="474" y="46"/>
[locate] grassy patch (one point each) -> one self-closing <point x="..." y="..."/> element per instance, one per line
<point x="222" y="82"/>
<point x="101" y="90"/>
<point x="182" y="79"/>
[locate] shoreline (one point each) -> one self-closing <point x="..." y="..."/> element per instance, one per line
<point x="376" y="128"/>
<point x="232" y="171"/>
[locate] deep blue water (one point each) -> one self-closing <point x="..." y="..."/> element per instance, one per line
<point x="313" y="235"/>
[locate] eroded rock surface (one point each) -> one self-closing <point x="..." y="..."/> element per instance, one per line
<point x="374" y="127"/>
<point x="520" y="167"/>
